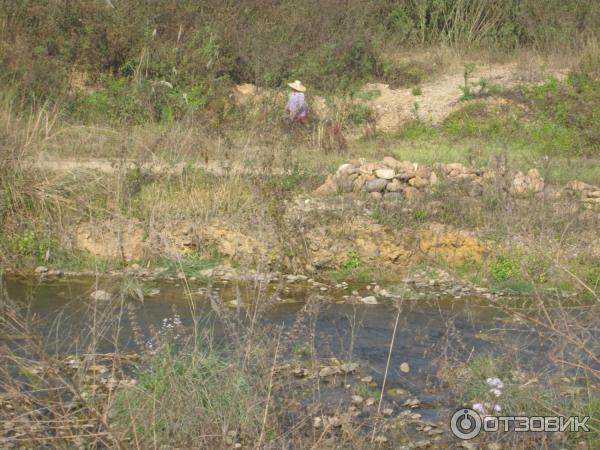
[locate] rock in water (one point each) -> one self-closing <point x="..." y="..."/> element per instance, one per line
<point x="100" y="295"/>
<point x="370" y="300"/>
<point x="404" y="367"/>
<point x="349" y="368"/>
<point x="41" y="269"/>
<point x="357" y="400"/>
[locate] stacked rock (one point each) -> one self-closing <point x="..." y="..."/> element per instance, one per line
<point x="391" y="177"/>
<point x="523" y="184"/>
<point x="586" y="193"/>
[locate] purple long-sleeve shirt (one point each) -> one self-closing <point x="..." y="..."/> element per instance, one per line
<point x="295" y="105"/>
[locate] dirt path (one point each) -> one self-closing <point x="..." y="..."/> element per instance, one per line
<point x="111" y="166"/>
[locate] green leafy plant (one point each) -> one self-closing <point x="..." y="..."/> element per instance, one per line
<point x="505" y="268"/>
<point x="29" y="244"/>
<point x="359" y="113"/>
<point x="366" y="391"/>
<point x="352" y="262"/>
<point x="302" y="350"/>
<point x="350" y="269"/>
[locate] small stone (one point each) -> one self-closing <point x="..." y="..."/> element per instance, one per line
<point x="411" y="193"/>
<point x="387" y="412"/>
<point x="368" y="379"/>
<point x="346" y="169"/>
<point x="381" y="439"/>
<point x="41" y="269"/>
<point x="100" y="295"/>
<point x="418" y="182"/>
<point x="357" y="400"/>
<point x="317" y="423"/>
<point x="349" y="367"/>
<point x="404" y="367"/>
<point x="370" y="401"/>
<point x="394" y="186"/>
<point x="412" y="402"/>
<point x="98" y="369"/>
<point x="328" y="371"/>
<point x="300" y="372"/>
<point x="386" y="174"/>
<point x="335" y="421"/>
<point x="370" y="300"/>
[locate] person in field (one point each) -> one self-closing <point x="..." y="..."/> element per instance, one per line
<point x="296" y="107"/>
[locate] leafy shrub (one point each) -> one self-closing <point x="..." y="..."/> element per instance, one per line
<point x="352" y="262"/>
<point x="351" y="270"/>
<point x="593" y="277"/>
<point x="505" y="268"/>
<point x="360" y="113"/>
<point x="29" y="244"/>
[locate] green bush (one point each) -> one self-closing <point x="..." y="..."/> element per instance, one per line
<point x="352" y="262"/>
<point x="331" y="45"/>
<point x="30" y="244"/>
<point x="505" y="268"/>
<point x="359" y="113"/>
<point x="351" y="270"/>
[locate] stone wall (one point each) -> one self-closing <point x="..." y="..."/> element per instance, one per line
<point x="393" y="178"/>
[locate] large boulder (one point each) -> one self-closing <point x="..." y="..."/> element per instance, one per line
<point x="345" y="169"/>
<point x="376" y="185"/>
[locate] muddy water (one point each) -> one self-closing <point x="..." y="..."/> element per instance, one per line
<point x="429" y="330"/>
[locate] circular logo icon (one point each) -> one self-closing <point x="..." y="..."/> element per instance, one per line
<point x="465" y="423"/>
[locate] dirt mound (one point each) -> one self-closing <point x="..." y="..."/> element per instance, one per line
<point x="439" y="241"/>
<point x="438" y="98"/>
<point x="115" y="240"/>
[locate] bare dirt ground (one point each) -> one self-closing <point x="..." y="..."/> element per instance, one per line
<point x="440" y="97"/>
